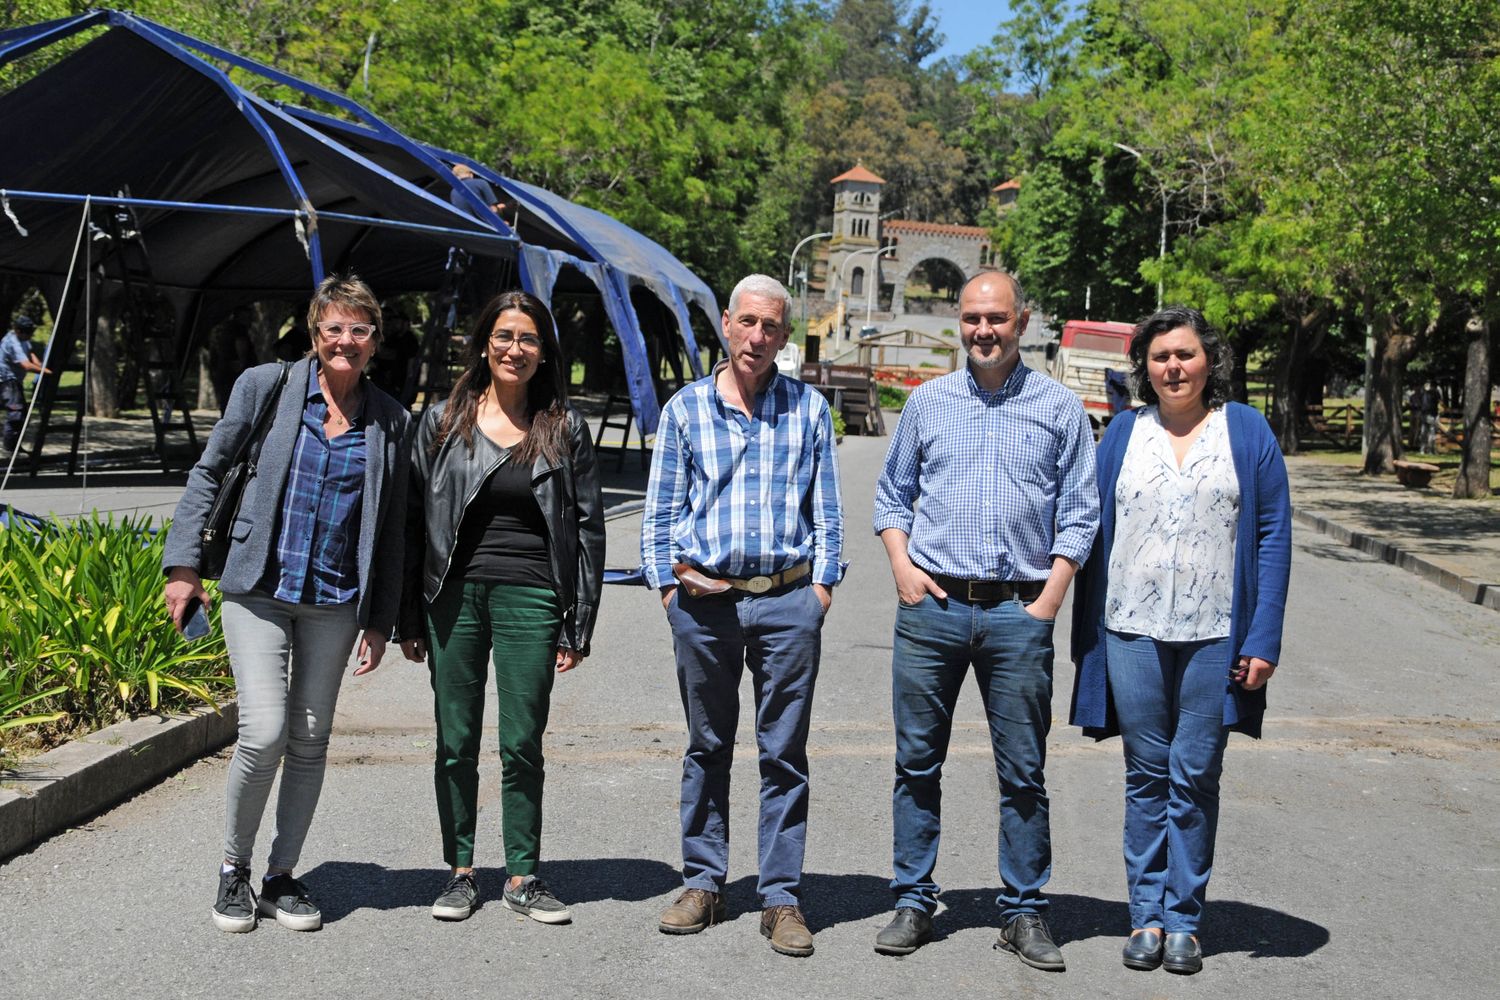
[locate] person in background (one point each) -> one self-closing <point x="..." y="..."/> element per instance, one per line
<point x="230" y="353"/>
<point x="397" y="360"/>
<point x="479" y="186"/>
<point x="1431" y="404"/>
<point x="505" y="564"/>
<point x="313" y="573"/>
<point x="17" y="357"/>
<point x="1178" y="621"/>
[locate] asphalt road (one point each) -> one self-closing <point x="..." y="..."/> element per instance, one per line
<point x="1359" y="855"/>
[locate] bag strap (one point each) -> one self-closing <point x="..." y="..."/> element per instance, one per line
<point x="263" y="421"/>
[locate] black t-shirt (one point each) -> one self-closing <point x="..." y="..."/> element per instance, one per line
<point x="503" y="536"/>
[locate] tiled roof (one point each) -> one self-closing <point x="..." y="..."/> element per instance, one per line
<point x="859" y="173"/>
<point x="1010" y="185"/>
<point x="898" y="226"/>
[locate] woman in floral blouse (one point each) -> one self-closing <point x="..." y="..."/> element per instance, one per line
<point x="1178" y="625"/>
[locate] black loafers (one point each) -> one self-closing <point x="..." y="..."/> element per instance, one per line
<point x="1028" y="937"/>
<point x="1182" y="955"/>
<point x="1144" y="949"/>
<point x="908" y="930"/>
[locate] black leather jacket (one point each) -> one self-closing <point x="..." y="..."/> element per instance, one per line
<point x="568" y="493"/>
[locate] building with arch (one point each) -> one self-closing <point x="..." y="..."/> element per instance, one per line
<point x="857" y="269"/>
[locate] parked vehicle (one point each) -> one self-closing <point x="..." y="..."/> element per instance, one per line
<point x="1080" y="358"/>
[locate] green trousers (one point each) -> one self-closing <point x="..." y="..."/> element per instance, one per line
<point x="470" y="624"/>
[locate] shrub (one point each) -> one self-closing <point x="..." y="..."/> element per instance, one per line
<point x="84" y="635"/>
<point x="892" y="397"/>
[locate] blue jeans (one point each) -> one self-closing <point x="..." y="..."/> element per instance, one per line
<point x="778" y="636"/>
<point x="13" y="398"/>
<point x="1169" y="698"/>
<point x="1011" y="652"/>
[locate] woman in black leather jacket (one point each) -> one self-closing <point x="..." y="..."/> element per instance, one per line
<point x="505" y="552"/>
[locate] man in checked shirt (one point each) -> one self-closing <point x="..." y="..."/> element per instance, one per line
<point x="741" y="533"/>
<point x="999" y="461"/>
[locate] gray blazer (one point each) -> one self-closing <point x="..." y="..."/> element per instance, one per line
<point x="253" y="537"/>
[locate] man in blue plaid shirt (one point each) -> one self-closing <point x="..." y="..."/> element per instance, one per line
<point x="999" y="462"/>
<point x="741" y="533"/>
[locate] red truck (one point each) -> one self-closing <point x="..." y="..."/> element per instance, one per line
<point x="1080" y="357"/>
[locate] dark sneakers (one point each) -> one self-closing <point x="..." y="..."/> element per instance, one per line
<point x="694" y="910"/>
<point x="1027" y="936"/>
<point x="284" y="898"/>
<point x="234" y="910"/>
<point x="533" y="898"/>
<point x="908" y="930"/>
<point x="458" y="899"/>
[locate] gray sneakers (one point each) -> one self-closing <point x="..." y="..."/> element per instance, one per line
<point x="535" y="900"/>
<point x="458" y="898"/>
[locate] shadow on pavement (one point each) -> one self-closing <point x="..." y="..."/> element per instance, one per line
<point x="342" y="887"/>
<point x="1332" y="551"/>
<point x="1228" y="925"/>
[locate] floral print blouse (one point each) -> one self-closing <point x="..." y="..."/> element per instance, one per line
<point x="1171" y="569"/>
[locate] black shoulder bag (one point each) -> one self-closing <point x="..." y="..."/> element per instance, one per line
<point x="226" y="505"/>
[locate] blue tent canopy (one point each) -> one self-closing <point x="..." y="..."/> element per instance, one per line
<point x="240" y="198"/>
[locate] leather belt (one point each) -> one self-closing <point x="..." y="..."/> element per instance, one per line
<point x="762" y="584"/>
<point x="988" y="591"/>
<point x="699" y="584"/>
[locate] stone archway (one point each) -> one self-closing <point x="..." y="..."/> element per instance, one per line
<point x="914" y="252"/>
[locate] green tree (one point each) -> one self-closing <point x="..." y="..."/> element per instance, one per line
<point x="1396" y="153"/>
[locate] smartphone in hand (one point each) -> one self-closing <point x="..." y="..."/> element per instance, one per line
<point x="194" y="620"/>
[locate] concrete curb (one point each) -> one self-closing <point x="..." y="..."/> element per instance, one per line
<point x="45" y="794"/>
<point x="1484" y="593"/>
<point x="621" y="509"/>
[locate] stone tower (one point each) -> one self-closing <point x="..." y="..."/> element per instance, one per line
<point x="856" y="226"/>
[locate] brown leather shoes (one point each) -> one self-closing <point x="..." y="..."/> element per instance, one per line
<point x="694" y="910"/>
<point x="787" y="930"/>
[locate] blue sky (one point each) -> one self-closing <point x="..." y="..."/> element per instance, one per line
<point x="968" y="24"/>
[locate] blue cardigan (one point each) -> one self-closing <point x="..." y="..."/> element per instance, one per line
<point x="1262" y="566"/>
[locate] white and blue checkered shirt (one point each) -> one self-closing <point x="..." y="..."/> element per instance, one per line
<point x="739" y="495"/>
<point x="1002" y="481"/>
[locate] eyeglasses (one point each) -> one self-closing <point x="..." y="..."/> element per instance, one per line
<point x="502" y="339"/>
<point x="360" y="332"/>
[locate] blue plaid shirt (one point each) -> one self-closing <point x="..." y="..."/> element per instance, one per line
<point x="317" y="547"/>
<point x="1003" y="481"/>
<point x="739" y="495"/>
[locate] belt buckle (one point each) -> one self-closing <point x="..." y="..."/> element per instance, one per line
<point x="975" y="591"/>
<point x="758" y="584"/>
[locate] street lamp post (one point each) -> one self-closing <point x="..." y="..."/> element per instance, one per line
<point x="870" y="299"/>
<point x="791" y="273"/>
<point x="1161" y="190"/>
<point x="844" y="277"/>
<point x="792" y="261"/>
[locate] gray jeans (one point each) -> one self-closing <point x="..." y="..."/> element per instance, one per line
<point x="288" y="661"/>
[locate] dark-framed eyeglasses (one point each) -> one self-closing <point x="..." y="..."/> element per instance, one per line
<point x="502" y="339"/>
<point x="360" y="332"/>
